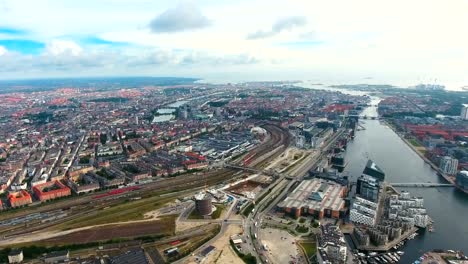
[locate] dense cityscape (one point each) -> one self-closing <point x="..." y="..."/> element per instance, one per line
<point x="192" y="172"/>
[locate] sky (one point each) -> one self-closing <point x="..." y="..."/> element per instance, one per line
<point x="398" y="42"/>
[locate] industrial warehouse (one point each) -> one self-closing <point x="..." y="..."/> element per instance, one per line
<point x="316" y="197"/>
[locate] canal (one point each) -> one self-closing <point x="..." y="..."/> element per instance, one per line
<point x="446" y="206"/>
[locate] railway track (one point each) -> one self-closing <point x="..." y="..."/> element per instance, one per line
<point x="88" y="204"/>
<point x="280" y="139"/>
<point x="160" y="185"/>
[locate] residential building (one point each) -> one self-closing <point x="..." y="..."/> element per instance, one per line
<point x="51" y="190"/>
<point x="83" y="183"/>
<point x="331" y="245"/>
<point x="363" y="211"/>
<point x="449" y="165"/>
<point x="361" y="236"/>
<point x="378" y="235"/>
<point x="19" y="198"/>
<point x="409" y="209"/>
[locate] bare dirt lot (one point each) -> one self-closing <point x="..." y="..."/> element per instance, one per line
<point x="182" y="226"/>
<point x="281" y="245"/>
<point x="223" y="254"/>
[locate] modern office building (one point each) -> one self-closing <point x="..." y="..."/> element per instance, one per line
<point x="367" y="187"/>
<point x="449" y="165"/>
<point x="373" y="170"/>
<point x="366" y="201"/>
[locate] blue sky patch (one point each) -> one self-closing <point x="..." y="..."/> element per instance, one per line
<point x="100" y="41"/>
<point x="11" y="31"/>
<point x="22" y="45"/>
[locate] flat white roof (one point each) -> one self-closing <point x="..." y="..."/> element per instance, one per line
<point x="330" y="191"/>
<point x="237" y="241"/>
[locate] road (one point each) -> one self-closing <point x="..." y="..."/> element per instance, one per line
<point x="279" y="138"/>
<point x="254" y="220"/>
<point x="225" y="221"/>
<point x="279" y="141"/>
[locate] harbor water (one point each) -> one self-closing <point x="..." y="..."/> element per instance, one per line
<point x="447" y="206"/>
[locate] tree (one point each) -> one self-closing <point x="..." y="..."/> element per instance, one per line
<point x="103" y="138"/>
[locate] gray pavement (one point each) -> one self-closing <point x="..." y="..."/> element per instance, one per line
<point x="253" y="221"/>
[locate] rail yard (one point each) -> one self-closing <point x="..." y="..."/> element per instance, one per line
<point x="154" y="184"/>
<point x="77" y="209"/>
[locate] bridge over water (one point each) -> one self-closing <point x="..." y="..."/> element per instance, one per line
<point x="421" y="184"/>
<point x="397" y="184"/>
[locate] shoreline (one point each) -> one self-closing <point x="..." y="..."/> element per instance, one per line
<point x="426" y="160"/>
<point x="386" y="247"/>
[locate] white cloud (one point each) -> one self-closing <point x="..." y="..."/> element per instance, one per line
<point x="93" y="62"/>
<point x="3" y="50"/>
<point x="184" y="17"/>
<point x="63" y="47"/>
<point x="390" y="41"/>
<point x="282" y="24"/>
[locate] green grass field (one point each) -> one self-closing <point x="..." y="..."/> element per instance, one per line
<point x="219" y="210"/>
<point x="414" y="142"/>
<point x="310" y="248"/>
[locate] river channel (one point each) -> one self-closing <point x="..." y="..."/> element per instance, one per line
<point x="447" y="206"/>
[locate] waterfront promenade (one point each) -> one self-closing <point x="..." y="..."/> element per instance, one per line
<point x="428" y="161"/>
